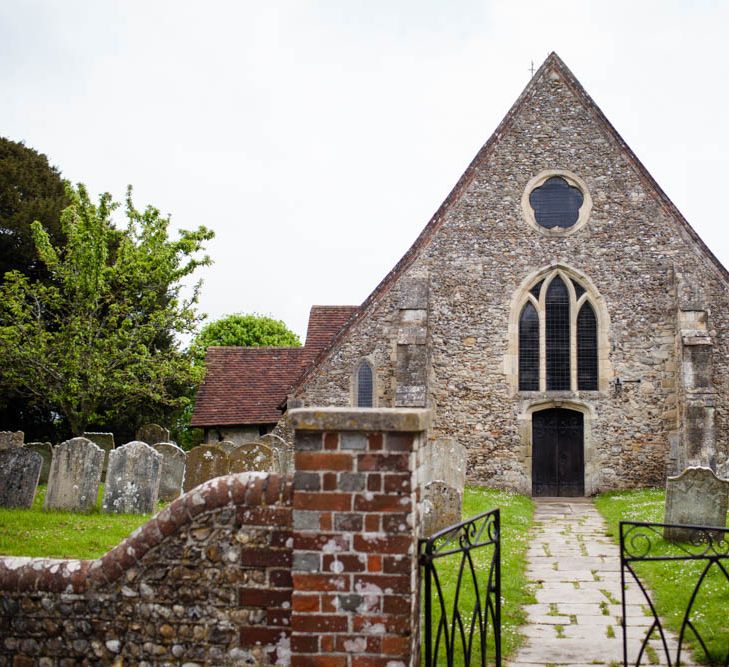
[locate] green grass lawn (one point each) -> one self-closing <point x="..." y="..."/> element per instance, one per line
<point x="672" y="582"/>
<point x="516" y="519"/>
<point x="40" y="534"/>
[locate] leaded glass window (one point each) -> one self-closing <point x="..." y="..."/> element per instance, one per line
<point x="556" y="203"/>
<point x="551" y="337"/>
<point x="586" y="348"/>
<point x="529" y="349"/>
<point x="364" y="386"/>
<point x="557" y="336"/>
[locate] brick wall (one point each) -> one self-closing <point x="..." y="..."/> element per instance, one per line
<point x="209" y="579"/>
<point x="355" y="599"/>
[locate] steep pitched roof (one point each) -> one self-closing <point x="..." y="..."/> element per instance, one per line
<point x="324" y="323"/>
<point x="553" y="63"/>
<point x="245" y="385"/>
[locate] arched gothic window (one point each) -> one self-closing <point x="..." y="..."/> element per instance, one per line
<point x="558" y="337"/>
<point x="364" y="385"/>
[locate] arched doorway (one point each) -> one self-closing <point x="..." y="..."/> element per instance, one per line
<point x="558" y="458"/>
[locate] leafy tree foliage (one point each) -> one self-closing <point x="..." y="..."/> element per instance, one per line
<point x="30" y="189"/>
<point x="243" y="331"/>
<point x="98" y="340"/>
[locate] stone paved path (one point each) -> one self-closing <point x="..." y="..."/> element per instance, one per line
<point x="576" y="569"/>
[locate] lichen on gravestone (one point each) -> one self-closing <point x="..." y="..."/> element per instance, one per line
<point x="73" y="483"/>
<point x="19" y="472"/>
<point x="133" y="478"/>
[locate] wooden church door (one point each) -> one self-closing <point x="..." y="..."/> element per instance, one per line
<point x="558" y="462"/>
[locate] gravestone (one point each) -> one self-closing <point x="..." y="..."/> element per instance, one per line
<point x="441" y="507"/>
<point x="173" y="470"/>
<point x="73" y="483"/>
<point x="106" y="442"/>
<point x="695" y="497"/>
<point x="252" y="457"/>
<point x="19" y="472"/>
<point x="46" y="451"/>
<point x="203" y="463"/>
<point x="283" y="454"/>
<point x="11" y="439"/>
<point x="444" y="460"/>
<point x="227" y="446"/>
<point x="153" y="434"/>
<point x="132" y="481"/>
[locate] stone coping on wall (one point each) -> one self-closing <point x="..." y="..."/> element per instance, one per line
<point x="22" y="574"/>
<point x="408" y="420"/>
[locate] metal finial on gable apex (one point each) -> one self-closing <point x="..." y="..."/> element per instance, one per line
<point x="531" y="69"/>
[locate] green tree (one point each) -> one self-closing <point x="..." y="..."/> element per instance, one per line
<point x="98" y="340"/>
<point x="30" y="189"/>
<point x="244" y="331"/>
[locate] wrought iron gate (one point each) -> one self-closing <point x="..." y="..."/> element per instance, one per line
<point x="462" y="593"/>
<point x="709" y="548"/>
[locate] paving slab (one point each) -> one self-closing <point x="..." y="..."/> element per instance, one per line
<point x="575" y="569"/>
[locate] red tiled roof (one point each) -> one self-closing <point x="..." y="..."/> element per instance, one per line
<point x="245" y="385"/>
<point x="324" y="323"/>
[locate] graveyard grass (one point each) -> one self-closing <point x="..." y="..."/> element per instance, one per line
<point x="672" y="582"/>
<point x="516" y="519"/>
<point x="56" y="534"/>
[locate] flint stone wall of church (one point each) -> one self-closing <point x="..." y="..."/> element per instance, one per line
<point x="631" y="250"/>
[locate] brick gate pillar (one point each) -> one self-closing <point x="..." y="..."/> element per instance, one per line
<point x="355" y="520"/>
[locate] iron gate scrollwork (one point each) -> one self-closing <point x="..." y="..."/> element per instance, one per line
<point x="644" y="542"/>
<point x="458" y="612"/>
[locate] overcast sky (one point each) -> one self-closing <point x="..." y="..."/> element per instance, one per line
<point x="318" y="138"/>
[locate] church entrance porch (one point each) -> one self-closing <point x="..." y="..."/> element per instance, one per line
<point x="558" y="465"/>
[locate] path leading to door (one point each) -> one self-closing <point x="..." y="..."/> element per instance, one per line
<point x="576" y="569"/>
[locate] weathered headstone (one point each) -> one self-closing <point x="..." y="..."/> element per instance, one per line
<point x="283" y="454"/>
<point x="173" y="470"/>
<point x="46" y="452"/>
<point x="19" y="472"/>
<point x="106" y="442"/>
<point x="227" y="446"/>
<point x="444" y="460"/>
<point x="132" y="481"/>
<point x="73" y="483"/>
<point x="203" y="463"/>
<point x="696" y="497"/>
<point x="252" y="457"/>
<point x="441" y="507"/>
<point x="152" y="434"/>
<point x="11" y="439"/>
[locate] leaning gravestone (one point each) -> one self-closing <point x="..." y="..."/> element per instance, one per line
<point x="173" y="470"/>
<point x="696" y="497"/>
<point x="227" y="446"/>
<point x="106" y="442"/>
<point x="253" y="456"/>
<point x="19" y="472"/>
<point x="73" y="483"/>
<point x="441" y="507"/>
<point x="203" y="463"/>
<point x="46" y="451"/>
<point x="11" y="439"/>
<point x="152" y="434"/>
<point x="132" y="481"/>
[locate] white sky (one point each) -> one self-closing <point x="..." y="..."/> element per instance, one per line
<point x="318" y="138"/>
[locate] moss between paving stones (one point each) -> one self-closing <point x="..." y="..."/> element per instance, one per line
<point x="672" y="583"/>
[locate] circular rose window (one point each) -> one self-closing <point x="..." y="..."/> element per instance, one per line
<point x="556" y="202"/>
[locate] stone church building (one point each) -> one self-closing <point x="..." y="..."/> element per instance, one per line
<point x="558" y="314"/>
